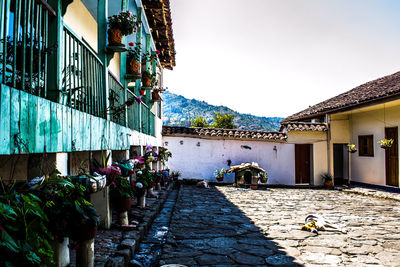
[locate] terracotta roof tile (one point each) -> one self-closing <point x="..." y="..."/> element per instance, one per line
<point x="373" y="91"/>
<point x="304" y="126"/>
<point x="224" y="133"/>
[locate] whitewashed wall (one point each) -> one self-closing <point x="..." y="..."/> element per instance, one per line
<point x="371" y="170"/>
<point x="200" y="162"/>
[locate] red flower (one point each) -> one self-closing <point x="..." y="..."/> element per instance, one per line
<point x="158" y="52"/>
<point x="131" y="172"/>
<point x="141" y="92"/>
<point x="131" y="44"/>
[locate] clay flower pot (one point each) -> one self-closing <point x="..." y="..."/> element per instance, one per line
<point x="146" y="81"/>
<point x="155" y="96"/>
<point x="133" y="67"/>
<point x="85" y="232"/>
<point x="328" y="184"/>
<point x="124" y="204"/>
<point x="220" y="178"/>
<point x="114" y="37"/>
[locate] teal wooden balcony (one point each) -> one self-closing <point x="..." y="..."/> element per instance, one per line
<point x="56" y="92"/>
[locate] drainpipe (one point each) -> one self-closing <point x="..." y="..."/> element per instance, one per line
<point x="328" y="140"/>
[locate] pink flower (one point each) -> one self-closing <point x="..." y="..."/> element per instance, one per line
<point x="158" y="52"/>
<point x="140" y="100"/>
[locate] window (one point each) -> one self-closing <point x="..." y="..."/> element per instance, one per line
<point x="366" y="145"/>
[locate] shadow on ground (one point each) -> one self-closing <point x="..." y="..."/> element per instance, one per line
<point x="207" y="229"/>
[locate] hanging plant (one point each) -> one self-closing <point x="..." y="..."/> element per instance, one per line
<point x="352" y="148"/>
<point x="120" y="25"/>
<point x="133" y="59"/>
<point x="386" y="143"/>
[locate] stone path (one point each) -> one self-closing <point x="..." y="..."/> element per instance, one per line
<point x="230" y="226"/>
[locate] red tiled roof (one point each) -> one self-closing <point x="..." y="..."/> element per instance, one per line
<point x="304" y="126"/>
<point x="223" y="133"/>
<point x="370" y="92"/>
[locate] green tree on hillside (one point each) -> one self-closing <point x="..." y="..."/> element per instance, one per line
<point x="224" y="121"/>
<point x="199" y="121"/>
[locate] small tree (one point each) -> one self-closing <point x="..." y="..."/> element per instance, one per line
<point x="224" y="121"/>
<point x="199" y="121"/>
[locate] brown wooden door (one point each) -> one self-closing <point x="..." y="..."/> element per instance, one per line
<point x="302" y="163"/>
<point x="392" y="157"/>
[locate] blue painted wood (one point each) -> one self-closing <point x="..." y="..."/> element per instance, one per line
<point x="44" y="126"/>
<point x="32" y="115"/>
<point x="15" y="136"/>
<point x="5" y="111"/>
<point x="25" y="124"/>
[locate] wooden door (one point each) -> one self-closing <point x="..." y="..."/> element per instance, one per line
<point x="392" y="157"/>
<point x="302" y="163"/>
<point x="338" y="164"/>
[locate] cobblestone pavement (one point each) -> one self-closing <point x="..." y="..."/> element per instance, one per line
<point x="229" y="226"/>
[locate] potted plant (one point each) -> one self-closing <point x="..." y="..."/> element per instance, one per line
<point x="146" y="78"/>
<point x="264" y="178"/>
<point x="66" y="199"/>
<point x="121" y="193"/>
<point x="24" y="234"/>
<point x="133" y="59"/>
<point x="120" y="25"/>
<point x="328" y="180"/>
<point x="352" y="148"/>
<point x="175" y="175"/>
<point x="386" y="143"/>
<point x="219" y="174"/>
<point x="164" y="154"/>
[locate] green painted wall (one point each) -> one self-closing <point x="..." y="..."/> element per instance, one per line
<point x="31" y="124"/>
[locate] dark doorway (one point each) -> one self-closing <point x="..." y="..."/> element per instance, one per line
<point x="247" y="177"/>
<point x="392" y="157"/>
<point x="302" y="163"/>
<point x="340" y="164"/>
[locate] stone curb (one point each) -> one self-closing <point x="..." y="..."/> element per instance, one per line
<point x="380" y="194"/>
<point x="131" y="239"/>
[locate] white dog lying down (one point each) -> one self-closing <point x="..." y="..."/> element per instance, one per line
<point x="314" y="223"/>
<point x="202" y="184"/>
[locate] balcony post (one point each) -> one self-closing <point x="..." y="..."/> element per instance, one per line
<point x="102" y="9"/>
<point x="55" y="61"/>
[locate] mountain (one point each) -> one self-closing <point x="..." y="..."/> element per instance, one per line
<point x="178" y="111"/>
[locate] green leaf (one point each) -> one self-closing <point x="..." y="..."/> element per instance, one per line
<point x="7" y="211"/>
<point x="9" y="242"/>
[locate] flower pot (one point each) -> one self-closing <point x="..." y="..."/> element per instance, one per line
<point x="385" y="147"/>
<point x="353" y="151"/>
<point x="146" y="81"/>
<point x="86" y="231"/>
<point x="328" y="184"/>
<point x="254" y="187"/>
<point x="114" y="37"/>
<point x="263" y="180"/>
<point x="220" y="178"/>
<point x="133" y="67"/>
<point x="124" y="204"/>
<point x="155" y="96"/>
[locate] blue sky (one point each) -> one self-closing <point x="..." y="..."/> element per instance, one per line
<point x="277" y="57"/>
